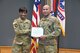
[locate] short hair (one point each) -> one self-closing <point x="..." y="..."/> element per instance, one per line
<point x="23" y="9"/>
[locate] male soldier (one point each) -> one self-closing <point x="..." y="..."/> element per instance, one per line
<point x="22" y="28"/>
<point x="51" y="27"/>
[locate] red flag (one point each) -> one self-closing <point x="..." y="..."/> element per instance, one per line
<point x="53" y="5"/>
<point x="35" y="22"/>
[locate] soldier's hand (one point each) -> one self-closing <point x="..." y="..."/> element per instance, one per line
<point x="43" y="37"/>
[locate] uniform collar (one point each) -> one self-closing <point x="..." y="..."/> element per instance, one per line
<point x="47" y="16"/>
<point x="22" y="20"/>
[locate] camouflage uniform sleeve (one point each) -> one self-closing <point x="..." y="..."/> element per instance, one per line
<point x="27" y="30"/>
<point x="18" y="30"/>
<point x="16" y="27"/>
<point x="56" y="28"/>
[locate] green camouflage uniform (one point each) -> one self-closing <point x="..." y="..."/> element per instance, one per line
<point x="22" y="40"/>
<point x="52" y="29"/>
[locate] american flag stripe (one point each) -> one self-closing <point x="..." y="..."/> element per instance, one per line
<point x="34" y="20"/>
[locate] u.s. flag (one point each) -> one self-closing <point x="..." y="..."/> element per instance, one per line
<point x="61" y="15"/>
<point x="36" y="13"/>
<point x="35" y="22"/>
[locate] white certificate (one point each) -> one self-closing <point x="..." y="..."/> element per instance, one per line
<point x="37" y="31"/>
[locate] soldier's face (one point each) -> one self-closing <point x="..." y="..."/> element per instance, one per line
<point x="23" y="14"/>
<point x="46" y="10"/>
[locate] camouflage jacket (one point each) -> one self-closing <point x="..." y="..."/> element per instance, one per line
<point x="22" y="30"/>
<point x="51" y="28"/>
